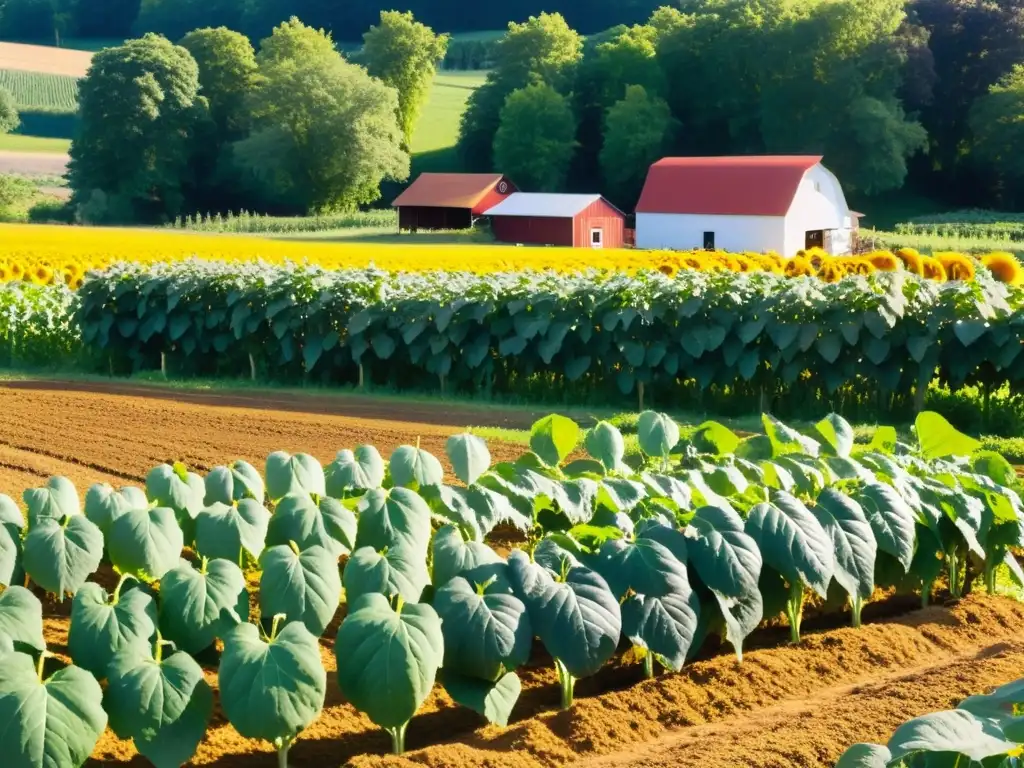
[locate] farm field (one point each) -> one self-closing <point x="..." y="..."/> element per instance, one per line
<point x="797" y="706"/>
<point x="439" y="126"/>
<point x="44" y="58"/>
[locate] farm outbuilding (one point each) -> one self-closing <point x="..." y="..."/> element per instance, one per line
<point x="449" y="200"/>
<point x="572" y="221"/>
<point x="755" y="203"/>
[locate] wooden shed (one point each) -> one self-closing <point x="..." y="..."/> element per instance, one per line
<point x="572" y="221"/>
<point x="449" y="200"/>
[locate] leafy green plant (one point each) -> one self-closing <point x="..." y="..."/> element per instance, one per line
<point x="146" y="542"/>
<point x="301" y="585"/>
<point x="232" y="531"/>
<point x="197" y="606"/>
<point x="102" y="625"/>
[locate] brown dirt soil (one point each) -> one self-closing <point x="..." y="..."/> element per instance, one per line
<point x="33" y="163"/>
<point x="44" y="58"/>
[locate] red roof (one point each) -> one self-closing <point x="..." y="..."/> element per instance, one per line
<point x="731" y="186"/>
<point x="449" y="190"/>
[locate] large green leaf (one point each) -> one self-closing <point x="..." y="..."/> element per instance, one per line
<point x="741" y="617"/>
<point x="786" y="440"/>
<point x="725" y="557"/>
<point x="414" y="467"/>
<point x="388" y="659"/>
<point x="553" y="438"/>
<point x="299" y="474"/>
<point x="853" y="542"/>
<point x="178" y="489"/>
<point x="199" y="605"/>
<point x="10" y="515"/>
<point x="493" y="700"/>
<point x="663" y="625"/>
<point x="475" y="510"/>
<point x="578" y="619"/>
<point x="10" y="557"/>
<point x="104" y="504"/>
<point x="353" y="472"/>
<point x="49" y="724"/>
<point x="891" y="519"/>
<point x="59" y="555"/>
<point x="714" y="438"/>
<point x="395" y="517"/>
<point x="644" y="566"/>
<point x="145" y="542"/>
<point x="956" y="731"/>
<point x="938" y="438"/>
<point x="21" y="619"/>
<point x="229" y="530"/>
<point x="55" y="500"/>
<point x="487" y="631"/>
<point x="995" y="467"/>
<point x="657" y="434"/>
<point x="240" y="480"/>
<point x="391" y="572"/>
<point x="163" y="705"/>
<point x="836" y="434"/>
<point x="469" y="456"/>
<point x="604" y="442"/>
<point x="792" y="541"/>
<point x="865" y="756"/>
<point x="271" y="689"/>
<point x="304" y="586"/>
<point x="310" y="522"/>
<point x="102" y="625"/>
<point x="453" y="555"/>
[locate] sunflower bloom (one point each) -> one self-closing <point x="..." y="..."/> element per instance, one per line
<point x="798" y="266"/>
<point x="831" y="272"/>
<point x="884" y="261"/>
<point x="957" y="266"/>
<point x="933" y="269"/>
<point x="1004" y="267"/>
<point x="912" y="261"/>
<point x="669" y="270"/>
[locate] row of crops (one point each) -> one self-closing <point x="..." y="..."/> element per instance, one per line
<point x="40" y="90"/>
<point x="657" y="552"/>
<point x="750" y="334"/>
<point x="983" y="730"/>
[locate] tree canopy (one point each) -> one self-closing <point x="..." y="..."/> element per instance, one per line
<point x="535" y="140"/>
<point x="637" y="130"/>
<point x="9" y="119"/>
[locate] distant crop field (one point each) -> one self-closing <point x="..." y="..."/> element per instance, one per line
<point x="40" y="90"/>
<point x="44" y="58"/>
<point x="439" y="126"/>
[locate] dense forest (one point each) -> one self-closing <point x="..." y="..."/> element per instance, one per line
<point x="346" y="20"/>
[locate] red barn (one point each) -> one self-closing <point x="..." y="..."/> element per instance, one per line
<point x="573" y="221"/>
<point x="449" y="200"/>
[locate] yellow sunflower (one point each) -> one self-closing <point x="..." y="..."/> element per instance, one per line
<point x="1004" y="267"/>
<point x="912" y="260"/>
<point x="41" y="274"/>
<point x="957" y="266"/>
<point x="933" y="269"/>
<point x="831" y="271"/>
<point x="884" y="261"/>
<point x="798" y="266"/>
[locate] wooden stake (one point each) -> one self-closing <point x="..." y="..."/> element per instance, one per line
<point x="252" y="367"/>
<point x="163" y="364"/>
<point x="360" y="376"/>
<point x="640" y="392"/>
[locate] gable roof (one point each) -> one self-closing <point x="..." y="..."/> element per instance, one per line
<point x="448" y="190"/>
<point x="543" y="204"/>
<point x="754" y="185"/>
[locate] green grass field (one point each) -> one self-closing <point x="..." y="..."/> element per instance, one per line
<point x="14" y="142"/>
<point x="38" y="90"/>
<point x="439" y="126"/>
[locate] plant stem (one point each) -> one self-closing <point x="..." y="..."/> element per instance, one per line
<point x="856" y="605"/>
<point x="568" y="683"/>
<point x="953" y="563"/>
<point x="398" y="739"/>
<point x="926" y="594"/>
<point x="795" y="610"/>
<point x="39" y="665"/>
<point x="990" y="574"/>
<point x="282" y="755"/>
<point x="117" y="589"/>
<point x="649" y="665"/>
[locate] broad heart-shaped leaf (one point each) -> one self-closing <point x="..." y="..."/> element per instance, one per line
<point x="271" y="690"/>
<point x="835" y="434"/>
<point x="786" y="440"/>
<point x="387" y="660"/>
<point x="352" y="472"/>
<point x="178" y="489"/>
<point x="604" y="442"/>
<point x="865" y="756"/>
<point x="657" y="434"/>
<point x="48" y="724"/>
<point x="891" y="519"/>
<point x="663" y="625"/>
<point x="145" y="542"/>
<point x="853" y="542"/>
<point x="453" y="555"/>
<point x="198" y="606"/>
<point x="415" y="467"/>
<point x="102" y="625"/>
<point x="55" y="500"/>
<point x="724" y="556"/>
<point x="487" y="631"/>
<point x="299" y="518"/>
<point x="393" y="572"/>
<point x="884" y="440"/>
<point x="60" y="555"/>
<point x="21" y="619"/>
<point x="469" y="457"/>
<point x="553" y="438"/>
<point x="164" y="706"/>
<point x="241" y="480"/>
<point x="304" y="587"/>
<point x="228" y="530"/>
<point x="956" y="731"/>
<point x="10" y="557"/>
<point x="995" y="467"/>
<point x="395" y="517"/>
<point x="494" y="701"/>
<point x="741" y="616"/>
<point x="938" y="438"/>
<point x="298" y="474"/>
<point x="10" y="515"/>
<point x="476" y="510"/>
<point x="714" y="438"/>
<point x="643" y="566"/>
<point x="103" y="504"/>
<point x="578" y="620"/>
<point x="792" y="541"/>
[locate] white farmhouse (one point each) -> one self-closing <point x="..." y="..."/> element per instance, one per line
<point x="753" y="203"/>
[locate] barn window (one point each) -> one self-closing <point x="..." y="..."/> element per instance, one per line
<point x="709" y="241"/>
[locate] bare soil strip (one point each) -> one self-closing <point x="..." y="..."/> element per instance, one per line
<point x="44" y="58"/>
<point x="33" y="163"/>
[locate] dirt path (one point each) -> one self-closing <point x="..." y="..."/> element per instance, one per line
<point x="88" y="435"/>
<point x="33" y="163"/>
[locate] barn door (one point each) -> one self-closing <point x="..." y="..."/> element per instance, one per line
<point x="815" y="238"/>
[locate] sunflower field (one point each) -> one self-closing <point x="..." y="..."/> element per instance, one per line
<point x="46" y="255"/>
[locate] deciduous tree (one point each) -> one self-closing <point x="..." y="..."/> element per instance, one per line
<point x="536" y="138"/>
<point x="997" y="125"/>
<point x="637" y="130"/>
<point x="9" y="119"/>
<point x="227" y="74"/>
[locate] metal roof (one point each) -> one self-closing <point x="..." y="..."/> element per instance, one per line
<point x="542" y="204"/>
<point x="448" y="190"/>
<point x="752" y="185"/>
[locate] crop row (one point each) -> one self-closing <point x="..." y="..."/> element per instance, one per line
<point x="658" y="551"/>
<point x="35" y="90"/>
<point x="613" y="333"/>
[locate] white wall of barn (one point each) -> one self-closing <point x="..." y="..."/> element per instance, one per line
<point x="684" y="232"/>
<point x="819" y="203"/>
